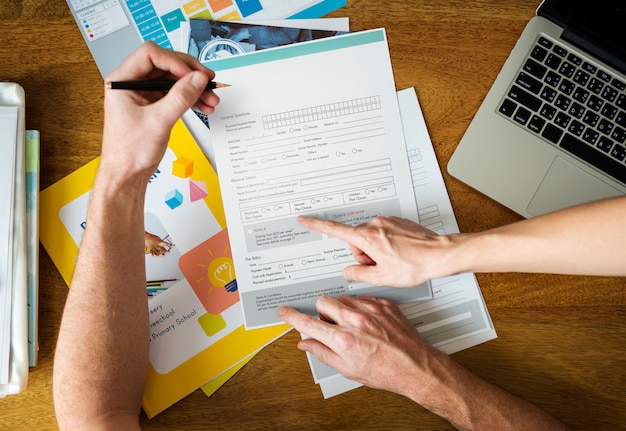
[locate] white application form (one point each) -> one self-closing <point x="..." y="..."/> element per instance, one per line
<point x="312" y="128"/>
<point x="456" y="318"/>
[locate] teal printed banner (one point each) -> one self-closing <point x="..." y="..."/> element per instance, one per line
<point x="320" y="9"/>
<point x="297" y="50"/>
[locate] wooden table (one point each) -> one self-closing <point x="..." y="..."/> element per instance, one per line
<point x="561" y="339"/>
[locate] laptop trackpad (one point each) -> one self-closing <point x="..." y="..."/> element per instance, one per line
<point x="566" y="185"/>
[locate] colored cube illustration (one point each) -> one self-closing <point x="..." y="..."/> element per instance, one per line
<point x="173" y="198"/>
<point x="182" y="167"/>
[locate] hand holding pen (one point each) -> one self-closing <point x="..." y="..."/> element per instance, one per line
<point x="147" y="117"/>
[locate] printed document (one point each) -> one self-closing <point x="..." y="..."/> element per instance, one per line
<point x="456" y="318"/>
<point x="312" y="128"/>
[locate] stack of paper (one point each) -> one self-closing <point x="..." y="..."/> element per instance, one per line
<point x="320" y="138"/>
<point x="14" y="250"/>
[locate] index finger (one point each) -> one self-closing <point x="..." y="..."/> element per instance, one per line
<point x="305" y="323"/>
<point x="333" y="228"/>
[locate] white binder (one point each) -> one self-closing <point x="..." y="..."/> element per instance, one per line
<point x="13" y="242"/>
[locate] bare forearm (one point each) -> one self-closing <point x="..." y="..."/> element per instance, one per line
<point x="582" y="240"/>
<point x="470" y="403"/>
<point x="102" y="352"/>
<point x="106" y="314"/>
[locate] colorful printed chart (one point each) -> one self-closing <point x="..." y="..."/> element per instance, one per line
<point x="159" y="20"/>
<point x="156" y="19"/>
<point x="113" y="29"/>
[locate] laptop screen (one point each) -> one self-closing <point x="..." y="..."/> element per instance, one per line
<point x="597" y="26"/>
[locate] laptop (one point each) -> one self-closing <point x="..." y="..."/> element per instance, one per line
<point x="551" y="132"/>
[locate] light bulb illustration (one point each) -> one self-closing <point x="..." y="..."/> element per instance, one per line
<point x="221" y="271"/>
<point x="210" y="270"/>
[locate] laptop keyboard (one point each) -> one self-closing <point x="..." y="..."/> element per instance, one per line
<point x="573" y="104"/>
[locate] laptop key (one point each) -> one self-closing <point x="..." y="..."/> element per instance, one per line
<point x="522" y="115"/>
<point x="595" y="85"/>
<point x="562" y="52"/>
<point x="594" y="157"/>
<point x="508" y="107"/>
<point x="567" y="69"/>
<point x="591" y="119"/>
<point x="576" y="128"/>
<point x="605" y="144"/>
<point x="528" y="82"/>
<point x="562" y="102"/>
<point x="621" y="86"/>
<point x="621" y="101"/>
<point x="552" y="79"/>
<point x="576" y="110"/>
<point x="580" y="94"/>
<point x="548" y="94"/>
<point x="552" y="61"/>
<point x="552" y="133"/>
<point x="523" y="97"/>
<point x="609" y="111"/>
<point x="589" y="68"/>
<point x="547" y="111"/>
<point x="545" y="42"/>
<point x="536" y="124"/>
<point x="618" y="135"/>
<point x="534" y="68"/>
<point x="604" y="76"/>
<point x="591" y="136"/>
<point x="618" y="152"/>
<point x="562" y="120"/>
<point x="605" y="126"/>
<point x="539" y="53"/>
<point x="575" y="59"/>
<point x="609" y="93"/>
<point x="595" y="103"/>
<point x="566" y="87"/>
<point x="581" y="77"/>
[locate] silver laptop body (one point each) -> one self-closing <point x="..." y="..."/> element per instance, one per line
<point x="512" y="150"/>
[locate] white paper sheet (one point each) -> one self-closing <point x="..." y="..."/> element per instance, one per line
<point x="8" y="146"/>
<point x="192" y="120"/>
<point x="312" y="128"/>
<point x="457" y="317"/>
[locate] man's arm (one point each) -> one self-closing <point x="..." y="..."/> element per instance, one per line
<point x="102" y="351"/>
<point x="101" y="356"/>
<point x="369" y="340"/>
<point x="584" y="240"/>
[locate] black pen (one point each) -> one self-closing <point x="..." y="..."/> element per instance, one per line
<point x="154" y="85"/>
